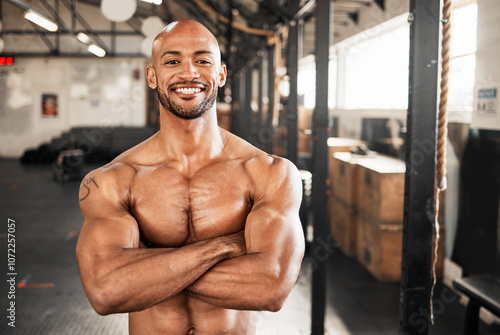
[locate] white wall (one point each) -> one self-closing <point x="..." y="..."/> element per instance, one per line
<point x="351" y="121"/>
<point x="91" y="92"/>
<point x="487" y="63"/>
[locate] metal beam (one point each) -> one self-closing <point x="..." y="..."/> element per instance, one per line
<point x="324" y="28"/>
<point x="73" y="55"/>
<point x="247" y="110"/>
<point x="354" y="17"/>
<point x="270" y="94"/>
<point x="55" y="13"/>
<point x="235" y="105"/>
<point x="113" y="37"/>
<point x="78" y="18"/>
<point x="295" y="39"/>
<point x="304" y="10"/>
<point x="66" y="32"/>
<point x="260" y="94"/>
<point x="380" y="3"/>
<point x="44" y="38"/>
<point x="420" y="167"/>
<point x="261" y="17"/>
<point x="72" y="8"/>
<point x="276" y="10"/>
<point x="200" y="15"/>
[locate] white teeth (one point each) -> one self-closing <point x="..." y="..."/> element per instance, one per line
<point x="188" y="90"/>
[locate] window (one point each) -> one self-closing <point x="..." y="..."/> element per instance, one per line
<point x="462" y="62"/>
<point x="307" y="81"/>
<point x="376" y="67"/>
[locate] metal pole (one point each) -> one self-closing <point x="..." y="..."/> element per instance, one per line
<point x="324" y="24"/>
<point x="420" y="168"/>
<point x="260" y="97"/>
<point x="270" y="94"/>
<point x="113" y="38"/>
<point x="294" y="54"/>
<point x="235" y="104"/>
<point x="247" y="108"/>
<point x="73" y="16"/>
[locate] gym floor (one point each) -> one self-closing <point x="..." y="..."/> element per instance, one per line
<point x="49" y="298"/>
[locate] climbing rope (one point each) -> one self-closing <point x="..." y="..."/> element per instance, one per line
<point x="442" y="137"/>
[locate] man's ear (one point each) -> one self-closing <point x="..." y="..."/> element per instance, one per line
<point x="151" y="76"/>
<point x="222" y="75"/>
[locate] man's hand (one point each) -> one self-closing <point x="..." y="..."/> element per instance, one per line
<point x="237" y="242"/>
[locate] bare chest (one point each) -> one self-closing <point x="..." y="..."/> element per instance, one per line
<point x="173" y="210"/>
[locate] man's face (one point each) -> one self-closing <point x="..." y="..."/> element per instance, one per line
<point x="187" y="70"/>
<point x="178" y="110"/>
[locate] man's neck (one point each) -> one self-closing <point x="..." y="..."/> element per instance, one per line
<point x="190" y="141"/>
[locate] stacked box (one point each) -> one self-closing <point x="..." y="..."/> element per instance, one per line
<point x="339" y="144"/>
<point x="343" y="224"/>
<point x="379" y="248"/>
<point x="380" y="216"/>
<point x="381" y="188"/>
<point x="342" y="201"/>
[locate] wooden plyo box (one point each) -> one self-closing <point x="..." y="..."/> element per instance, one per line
<point x="344" y="178"/>
<point x="339" y="144"/>
<point x="379" y="248"/>
<point x="381" y="188"/>
<point x="343" y="224"/>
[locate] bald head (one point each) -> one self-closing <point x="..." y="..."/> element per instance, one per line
<point x="187" y="31"/>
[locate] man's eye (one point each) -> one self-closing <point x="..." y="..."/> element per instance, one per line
<point x="204" y="61"/>
<point x="171" y="62"/>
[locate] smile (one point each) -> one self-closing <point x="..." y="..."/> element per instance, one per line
<point x="188" y="90"/>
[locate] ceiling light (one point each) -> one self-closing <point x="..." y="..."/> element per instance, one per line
<point x="156" y="2"/>
<point x="40" y="20"/>
<point x="96" y="50"/>
<point x="84" y="38"/>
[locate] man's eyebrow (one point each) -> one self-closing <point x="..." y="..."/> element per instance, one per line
<point x="202" y="52"/>
<point x="196" y="53"/>
<point x="170" y="52"/>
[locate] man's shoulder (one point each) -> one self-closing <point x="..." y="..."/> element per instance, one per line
<point x="114" y="175"/>
<point x="260" y="164"/>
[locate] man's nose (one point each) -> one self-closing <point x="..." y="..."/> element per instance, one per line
<point x="188" y="71"/>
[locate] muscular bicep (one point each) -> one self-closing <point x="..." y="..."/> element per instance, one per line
<point x="108" y="224"/>
<point x="273" y="225"/>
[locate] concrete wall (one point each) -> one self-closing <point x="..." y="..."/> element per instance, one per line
<point x="90" y="92"/>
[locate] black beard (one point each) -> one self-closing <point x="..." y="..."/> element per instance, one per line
<point x="183" y="113"/>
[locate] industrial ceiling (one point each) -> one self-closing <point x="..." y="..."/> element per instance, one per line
<point x="243" y="27"/>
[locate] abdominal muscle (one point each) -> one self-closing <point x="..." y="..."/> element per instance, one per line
<point x="183" y="315"/>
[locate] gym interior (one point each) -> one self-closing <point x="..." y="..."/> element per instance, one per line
<point x="388" y="108"/>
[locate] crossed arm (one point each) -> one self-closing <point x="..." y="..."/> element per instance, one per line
<point x="254" y="271"/>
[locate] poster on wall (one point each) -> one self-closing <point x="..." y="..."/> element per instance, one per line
<point x="486" y="109"/>
<point x="487" y="101"/>
<point x="49" y="105"/>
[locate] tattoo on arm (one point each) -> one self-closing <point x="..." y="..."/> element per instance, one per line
<point x="85" y="189"/>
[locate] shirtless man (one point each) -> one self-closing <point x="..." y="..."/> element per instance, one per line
<point x="193" y="230"/>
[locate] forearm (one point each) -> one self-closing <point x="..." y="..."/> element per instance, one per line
<point x="249" y="282"/>
<point x="134" y="279"/>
